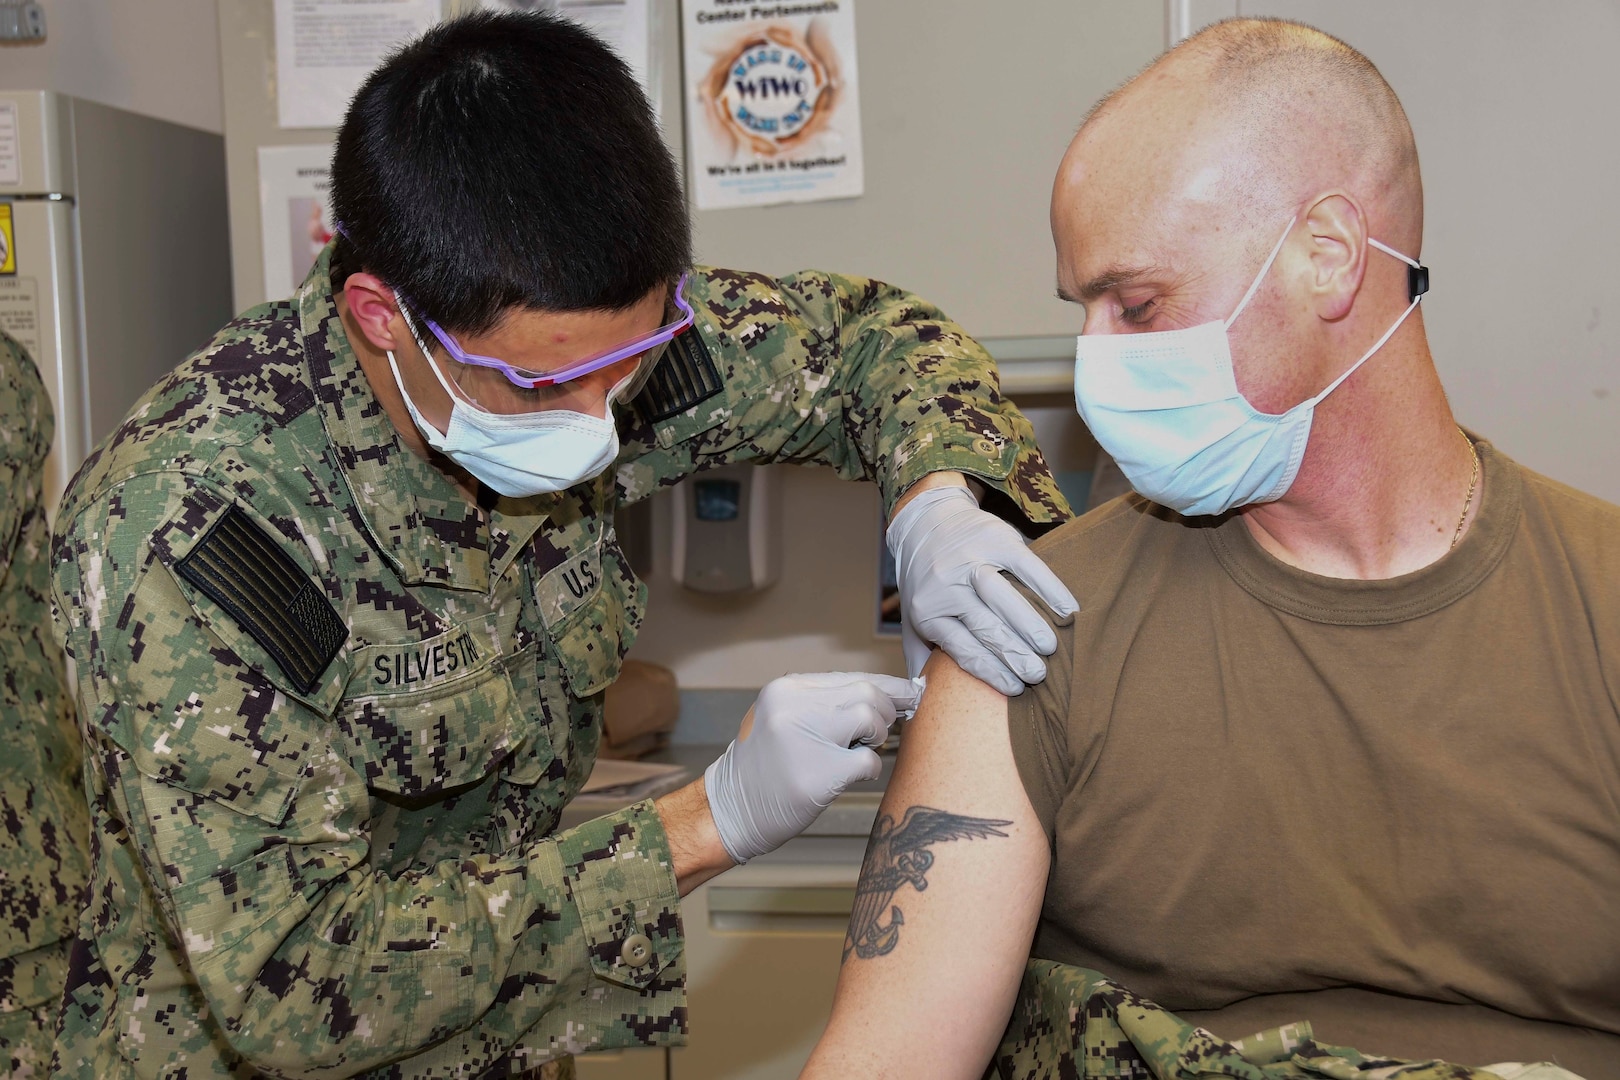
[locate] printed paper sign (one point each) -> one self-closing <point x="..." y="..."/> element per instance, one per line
<point x="10" y="152"/>
<point x="624" y="24"/>
<point x="326" y="48"/>
<point x="295" y="212"/>
<point x="774" y="106"/>
<point x="19" y="312"/>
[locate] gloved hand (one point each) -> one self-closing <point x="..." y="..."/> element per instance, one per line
<point x="811" y="737"/>
<point x="948" y="556"/>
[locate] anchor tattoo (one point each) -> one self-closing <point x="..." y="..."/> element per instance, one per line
<point x="897" y="855"/>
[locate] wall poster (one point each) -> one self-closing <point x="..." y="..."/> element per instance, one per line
<point x="773" y="102"/>
<point x="295" y="212"/>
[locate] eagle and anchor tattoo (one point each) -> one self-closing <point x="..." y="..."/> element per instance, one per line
<point x="898" y="855"/>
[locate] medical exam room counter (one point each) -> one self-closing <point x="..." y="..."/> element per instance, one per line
<point x="838" y="834"/>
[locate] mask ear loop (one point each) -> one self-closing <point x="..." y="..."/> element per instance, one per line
<point x="1261" y="276"/>
<point x="427" y="354"/>
<point x="1417" y="275"/>
<point x="1417" y="283"/>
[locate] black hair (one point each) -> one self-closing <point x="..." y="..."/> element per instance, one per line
<point x="507" y="159"/>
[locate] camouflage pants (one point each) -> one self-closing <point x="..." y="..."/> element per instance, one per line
<point x="1075" y="1024"/>
<point x="30" y="996"/>
<point x="27" y="1037"/>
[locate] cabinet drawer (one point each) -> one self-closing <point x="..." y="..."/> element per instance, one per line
<point x="763" y="946"/>
<point x="780" y="908"/>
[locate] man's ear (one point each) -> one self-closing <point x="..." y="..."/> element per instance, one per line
<point x="374" y="309"/>
<point x="1338" y="235"/>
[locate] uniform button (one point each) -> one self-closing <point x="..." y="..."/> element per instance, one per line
<point x="986" y="447"/>
<point x="636" y="951"/>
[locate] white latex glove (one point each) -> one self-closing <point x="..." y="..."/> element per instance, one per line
<point x="949" y="555"/>
<point x="812" y="736"/>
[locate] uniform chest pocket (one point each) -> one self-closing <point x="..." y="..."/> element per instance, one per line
<point x="592" y="606"/>
<point x="429" y="716"/>
<point x="259" y="781"/>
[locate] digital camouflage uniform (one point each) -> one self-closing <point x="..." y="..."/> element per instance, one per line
<point x="334" y="711"/>
<point x="1071" y="1023"/>
<point x="42" y="844"/>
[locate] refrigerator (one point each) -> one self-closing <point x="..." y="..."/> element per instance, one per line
<point x="117" y="256"/>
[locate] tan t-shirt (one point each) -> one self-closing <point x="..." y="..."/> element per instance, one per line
<point x="1391" y="808"/>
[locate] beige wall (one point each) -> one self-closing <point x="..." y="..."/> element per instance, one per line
<point x="821" y="615"/>
<point x="155" y="57"/>
<point x="818" y="617"/>
<point x="966" y="109"/>
<point x="965" y="114"/>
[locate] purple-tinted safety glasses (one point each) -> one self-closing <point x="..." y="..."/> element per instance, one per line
<point x="522" y="377"/>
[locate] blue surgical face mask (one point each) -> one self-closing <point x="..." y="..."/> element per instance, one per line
<point x="522" y="454"/>
<point x="1166" y="406"/>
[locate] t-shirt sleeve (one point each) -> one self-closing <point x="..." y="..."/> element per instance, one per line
<point x="1037" y="721"/>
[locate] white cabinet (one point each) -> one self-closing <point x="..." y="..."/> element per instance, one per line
<point x="763" y="944"/>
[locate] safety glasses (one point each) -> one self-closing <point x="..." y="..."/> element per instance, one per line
<point x="529" y="379"/>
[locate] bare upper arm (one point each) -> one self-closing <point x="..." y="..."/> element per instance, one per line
<point x="948" y="899"/>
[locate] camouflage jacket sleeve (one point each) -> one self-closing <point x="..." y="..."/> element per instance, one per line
<point x="25" y="439"/>
<point x="819" y="368"/>
<point x="224" y="804"/>
<point x="42" y="810"/>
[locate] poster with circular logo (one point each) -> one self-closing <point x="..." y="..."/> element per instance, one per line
<point x="774" y="109"/>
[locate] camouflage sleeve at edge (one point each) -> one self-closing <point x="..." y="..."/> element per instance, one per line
<point x="848" y="372"/>
<point x="252" y="833"/>
<point x="25" y="439"/>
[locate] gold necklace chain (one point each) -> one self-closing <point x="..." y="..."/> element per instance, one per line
<point x="1473" y="482"/>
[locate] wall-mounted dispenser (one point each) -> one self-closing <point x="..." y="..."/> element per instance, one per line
<point x="728" y="529"/>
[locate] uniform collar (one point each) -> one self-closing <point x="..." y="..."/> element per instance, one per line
<point x="418" y="517"/>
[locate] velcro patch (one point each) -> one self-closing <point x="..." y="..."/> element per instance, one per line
<point x="241" y="568"/>
<point x="683" y="377"/>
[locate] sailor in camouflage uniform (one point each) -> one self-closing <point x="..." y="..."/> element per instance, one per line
<point x="1072" y="1023"/>
<point x="42" y="811"/>
<point x="339" y="687"/>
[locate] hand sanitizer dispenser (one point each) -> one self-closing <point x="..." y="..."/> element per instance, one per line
<point x="728" y="529"/>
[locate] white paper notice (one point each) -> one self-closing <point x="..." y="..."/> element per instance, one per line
<point x="326" y="48"/>
<point x="623" y="24"/>
<point x="774" y="111"/>
<point x="295" y="213"/>
<point x="19" y="312"/>
<point x="10" y="150"/>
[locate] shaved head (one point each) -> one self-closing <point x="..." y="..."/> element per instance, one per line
<point x="1180" y="181"/>
<point x="1302" y="108"/>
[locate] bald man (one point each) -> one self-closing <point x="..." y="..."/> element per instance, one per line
<point x="1336" y="734"/>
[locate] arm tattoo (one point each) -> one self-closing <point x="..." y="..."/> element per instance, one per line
<point x="898" y="855"/>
